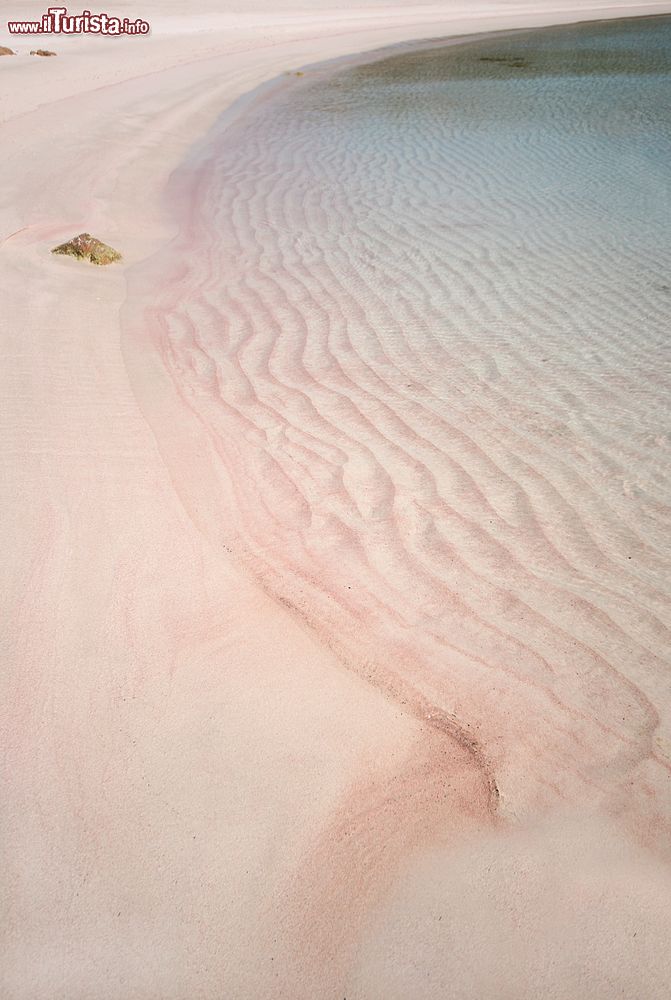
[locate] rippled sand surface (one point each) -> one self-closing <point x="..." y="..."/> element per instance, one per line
<point x="420" y="309"/>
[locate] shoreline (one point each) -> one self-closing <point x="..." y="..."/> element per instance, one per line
<point x="184" y="750"/>
<point x="272" y="87"/>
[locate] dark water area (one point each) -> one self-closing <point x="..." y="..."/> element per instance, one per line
<point x="638" y="46"/>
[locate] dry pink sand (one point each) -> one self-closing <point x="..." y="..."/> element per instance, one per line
<point x="202" y="797"/>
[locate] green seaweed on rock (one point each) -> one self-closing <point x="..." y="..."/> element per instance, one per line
<point x="87" y="247"/>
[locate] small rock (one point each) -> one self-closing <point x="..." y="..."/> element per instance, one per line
<point x="42" y="52"/>
<point x="4" y="51"/>
<point x="87" y="247"/>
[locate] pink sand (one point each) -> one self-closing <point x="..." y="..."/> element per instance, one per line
<point x="205" y="796"/>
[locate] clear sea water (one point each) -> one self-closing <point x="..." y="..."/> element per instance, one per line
<point x="506" y="199"/>
<point x="431" y="345"/>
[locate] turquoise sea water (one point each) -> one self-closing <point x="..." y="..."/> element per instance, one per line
<point x="512" y="193"/>
<point x="430" y="344"/>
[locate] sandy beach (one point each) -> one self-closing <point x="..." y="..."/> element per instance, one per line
<point x="213" y="787"/>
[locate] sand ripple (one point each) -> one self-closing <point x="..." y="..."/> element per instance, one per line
<point x="422" y="322"/>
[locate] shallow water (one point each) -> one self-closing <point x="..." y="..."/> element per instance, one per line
<point x="426" y="328"/>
